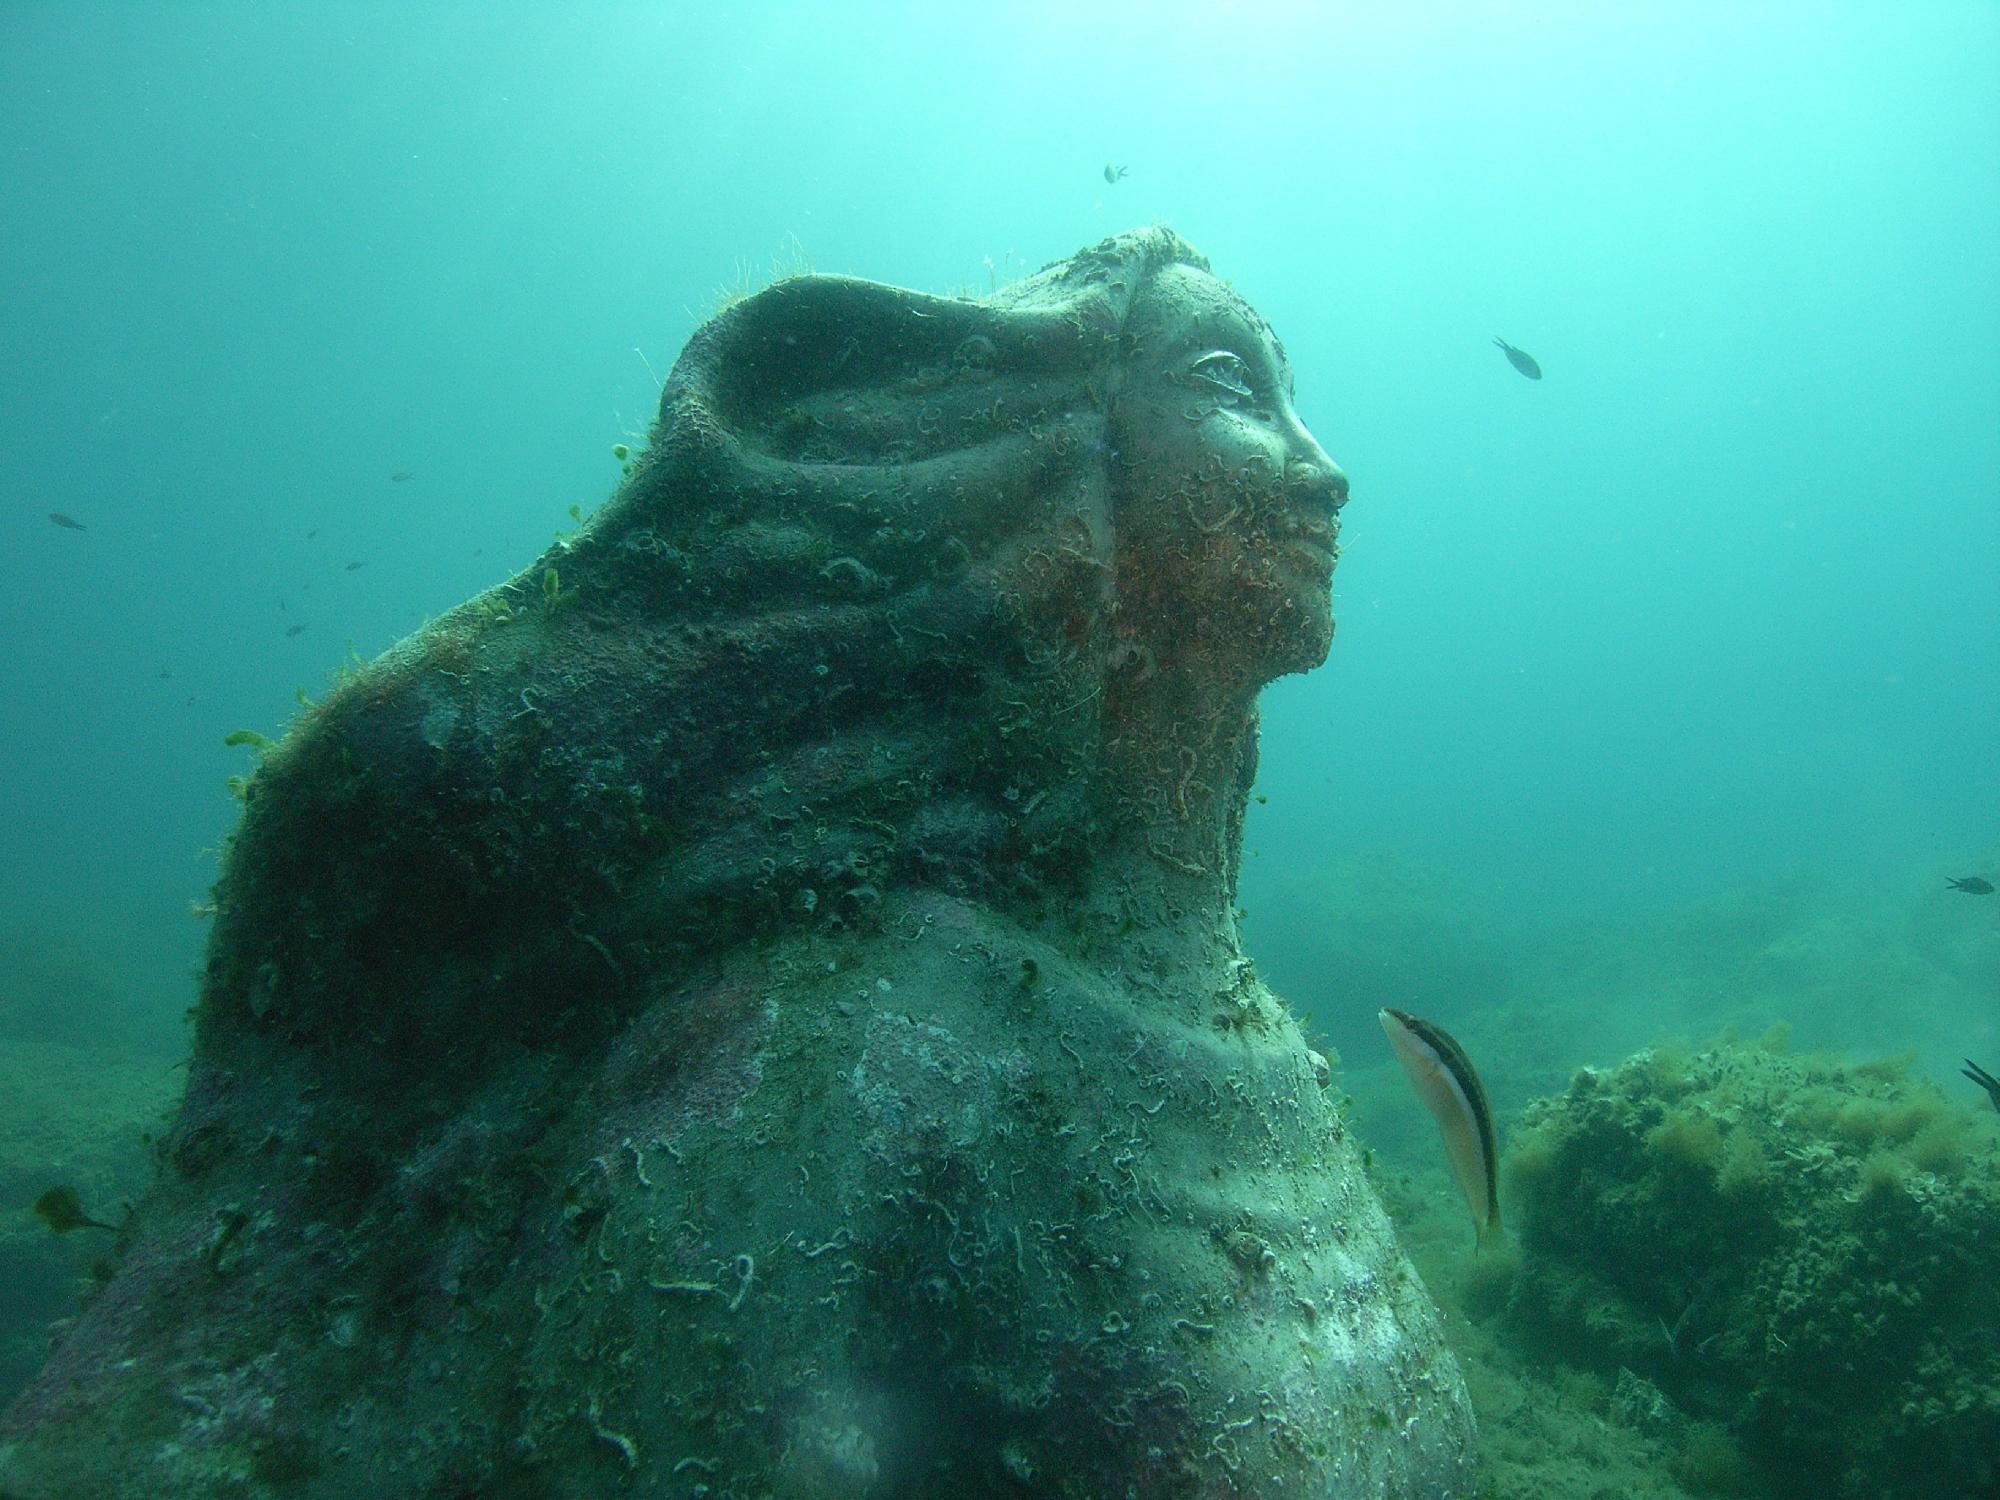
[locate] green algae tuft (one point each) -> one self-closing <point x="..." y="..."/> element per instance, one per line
<point x="1794" y="1250"/>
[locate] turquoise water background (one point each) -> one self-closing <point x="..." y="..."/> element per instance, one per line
<point x="1666" y="689"/>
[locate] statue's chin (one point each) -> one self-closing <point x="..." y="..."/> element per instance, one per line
<point x="1306" y="651"/>
<point x="1302" y="635"/>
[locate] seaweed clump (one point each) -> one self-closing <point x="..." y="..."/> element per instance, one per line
<point x="1795" y="1251"/>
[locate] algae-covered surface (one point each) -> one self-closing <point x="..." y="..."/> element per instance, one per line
<point x="752" y="1006"/>
<point x="1736" y="1271"/>
<point x="76" y="1117"/>
<point x="1798" y="1249"/>
<point x="1564" y="1339"/>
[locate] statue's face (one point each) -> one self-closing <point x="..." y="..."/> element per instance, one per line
<point x="1227" y="509"/>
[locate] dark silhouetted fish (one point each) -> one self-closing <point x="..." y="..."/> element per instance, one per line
<point x="62" y="1211"/>
<point x="400" y="477"/>
<point x="1984" y="1079"/>
<point x="356" y="566"/>
<point x="68" y="523"/>
<point x="1112" y="173"/>
<point x="1972" y="885"/>
<point x="296" y="630"/>
<point x="1520" y="360"/>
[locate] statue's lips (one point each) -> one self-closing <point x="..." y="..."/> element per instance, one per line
<point x="1316" y="542"/>
<point x="1311" y="522"/>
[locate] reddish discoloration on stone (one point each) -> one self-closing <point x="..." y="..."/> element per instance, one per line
<point x="690" y="1060"/>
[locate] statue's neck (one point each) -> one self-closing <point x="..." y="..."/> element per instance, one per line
<point x="1177" y="775"/>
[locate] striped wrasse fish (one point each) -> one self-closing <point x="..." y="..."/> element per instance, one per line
<point x="1442" y="1076"/>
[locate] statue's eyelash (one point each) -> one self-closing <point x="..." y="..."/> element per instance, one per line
<point x="1227" y="376"/>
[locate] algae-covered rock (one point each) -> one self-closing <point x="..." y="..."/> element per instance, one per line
<point x="752" y="1007"/>
<point x="73" y="1122"/>
<point x="1798" y="1252"/>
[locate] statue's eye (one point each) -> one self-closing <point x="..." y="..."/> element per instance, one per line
<point x="1227" y="372"/>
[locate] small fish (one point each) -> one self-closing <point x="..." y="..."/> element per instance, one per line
<point x="62" y="1211"/>
<point x="401" y="477"/>
<point x="1972" y="885"/>
<point x="68" y="523"/>
<point x="296" y="630"/>
<point x="1984" y="1079"/>
<point x="355" y="567"/>
<point x="1112" y="173"/>
<point x="1520" y="360"/>
<point x="1442" y="1077"/>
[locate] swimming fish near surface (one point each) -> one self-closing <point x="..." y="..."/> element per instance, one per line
<point x="68" y="523"/>
<point x="1520" y="359"/>
<point x="1442" y="1076"/>
<point x="1112" y="173"/>
<point x="1972" y="885"/>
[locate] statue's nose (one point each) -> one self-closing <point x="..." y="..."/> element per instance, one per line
<point x="1321" y="473"/>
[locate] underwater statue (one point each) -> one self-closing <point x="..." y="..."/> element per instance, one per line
<point x="752" y="1006"/>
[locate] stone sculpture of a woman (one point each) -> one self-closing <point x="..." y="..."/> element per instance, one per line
<point x="752" y="1006"/>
